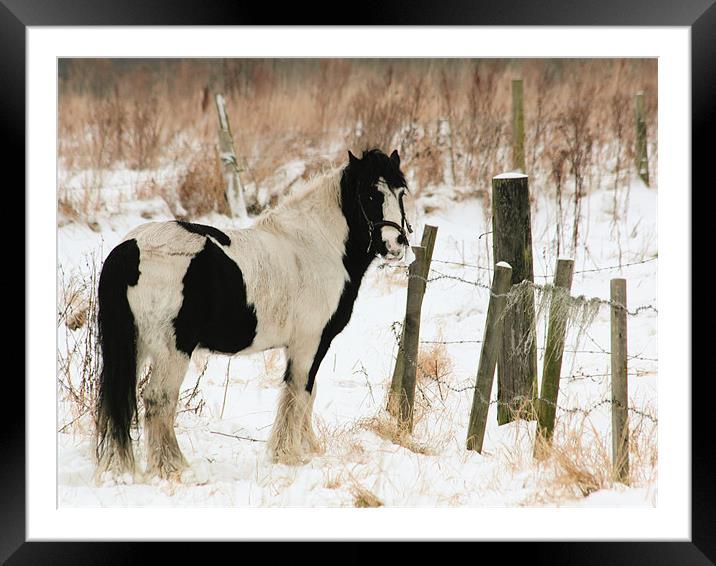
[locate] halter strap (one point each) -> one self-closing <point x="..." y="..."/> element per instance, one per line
<point x="372" y="226"/>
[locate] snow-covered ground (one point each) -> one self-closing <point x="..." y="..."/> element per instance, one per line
<point x="223" y="429"/>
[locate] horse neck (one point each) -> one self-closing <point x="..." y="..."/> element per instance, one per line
<point x="322" y="215"/>
<point x="357" y="257"/>
<point x="311" y="217"/>
<point x="340" y="222"/>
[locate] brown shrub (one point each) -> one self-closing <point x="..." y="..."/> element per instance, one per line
<point x="281" y="110"/>
<point x="434" y="362"/>
<point x="201" y="189"/>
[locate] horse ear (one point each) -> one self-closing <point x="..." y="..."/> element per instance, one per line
<point x="395" y="158"/>
<point x="352" y="159"/>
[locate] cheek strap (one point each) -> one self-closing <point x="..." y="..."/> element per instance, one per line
<point x="399" y="228"/>
<point x="404" y="224"/>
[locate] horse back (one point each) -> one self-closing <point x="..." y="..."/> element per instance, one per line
<point x="232" y="291"/>
<point x="191" y="289"/>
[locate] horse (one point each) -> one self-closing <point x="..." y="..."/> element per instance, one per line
<point x="288" y="281"/>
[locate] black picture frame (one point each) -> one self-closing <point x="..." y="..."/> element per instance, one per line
<point x="698" y="15"/>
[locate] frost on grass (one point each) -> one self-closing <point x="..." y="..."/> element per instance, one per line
<point x="574" y="314"/>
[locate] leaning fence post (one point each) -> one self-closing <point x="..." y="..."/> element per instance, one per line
<point x="411" y="341"/>
<point x="556" y="331"/>
<point x="620" y="423"/>
<point x="488" y="356"/>
<point x="642" y="158"/>
<point x="229" y="163"/>
<point x="512" y="243"/>
<point x="430" y="233"/>
<point x="518" y="127"/>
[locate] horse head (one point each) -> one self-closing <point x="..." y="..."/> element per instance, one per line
<point x="379" y="187"/>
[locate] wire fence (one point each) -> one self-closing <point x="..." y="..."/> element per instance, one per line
<point x="575" y="376"/>
<point x="542" y="348"/>
<point x="428" y="375"/>
<point x="594" y="270"/>
<point x="438" y="276"/>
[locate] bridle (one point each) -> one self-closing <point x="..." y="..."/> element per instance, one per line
<point x="373" y="226"/>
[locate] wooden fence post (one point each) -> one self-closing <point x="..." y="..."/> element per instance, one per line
<point x="229" y="163"/>
<point x="556" y="332"/>
<point x="642" y="157"/>
<point x="430" y="233"/>
<point x="518" y="127"/>
<point x="620" y="411"/>
<point x="488" y="356"/>
<point x="512" y="243"/>
<point x="411" y="341"/>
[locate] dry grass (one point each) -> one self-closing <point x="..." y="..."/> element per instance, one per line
<point x="364" y="498"/>
<point x="579" y="461"/>
<point x="201" y="188"/>
<point x="434" y="362"/>
<point x="341" y="442"/>
<point x="448" y="118"/>
<point x="333" y="480"/>
<point x="77" y="359"/>
<point x="386" y="426"/>
<point x="67" y="211"/>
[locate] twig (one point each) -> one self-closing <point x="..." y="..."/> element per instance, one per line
<point x="237" y="437"/>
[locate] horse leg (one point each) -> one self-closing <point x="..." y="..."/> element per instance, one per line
<point x="309" y="439"/>
<point x="164" y="457"/>
<point x="292" y="434"/>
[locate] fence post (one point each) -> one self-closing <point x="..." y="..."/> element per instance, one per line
<point x="556" y="331"/>
<point x="512" y="243"/>
<point x="430" y="233"/>
<point x="229" y="163"/>
<point x="518" y="127"/>
<point x="642" y="158"/>
<point x="488" y="356"/>
<point x="411" y="339"/>
<point x="620" y="423"/>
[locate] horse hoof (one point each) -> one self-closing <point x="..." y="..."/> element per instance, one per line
<point x="196" y="474"/>
<point x="290" y="458"/>
<point x="112" y="477"/>
<point x="171" y="471"/>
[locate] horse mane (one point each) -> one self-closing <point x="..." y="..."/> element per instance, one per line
<point x="317" y="196"/>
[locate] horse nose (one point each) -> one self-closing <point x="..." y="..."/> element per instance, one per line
<point x="394" y="248"/>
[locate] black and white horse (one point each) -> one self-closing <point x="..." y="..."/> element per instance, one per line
<point x="289" y="281"/>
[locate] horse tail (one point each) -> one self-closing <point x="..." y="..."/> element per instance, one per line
<point x="117" y="398"/>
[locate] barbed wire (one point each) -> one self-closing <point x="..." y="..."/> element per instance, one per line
<point x="547" y="287"/>
<point x="517" y="400"/>
<point x="647" y="260"/>
<point x="535" y="286"/>
<point x="597" y="269"/>
<point x="566" y="350"/>
<point x="603" y="350"/>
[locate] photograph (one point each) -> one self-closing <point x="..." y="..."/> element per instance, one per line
<point x="320" y="282"/>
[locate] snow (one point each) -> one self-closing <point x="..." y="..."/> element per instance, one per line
<point x="511" y="175"/>
<point x="224" y="441"/>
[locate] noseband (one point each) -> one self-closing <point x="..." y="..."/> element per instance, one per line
<point x="373" y="226"/>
